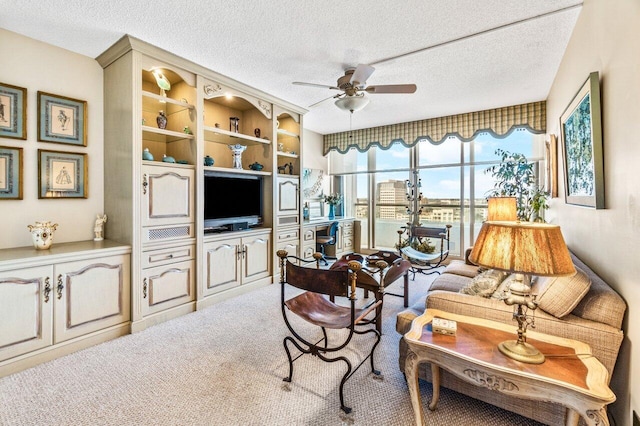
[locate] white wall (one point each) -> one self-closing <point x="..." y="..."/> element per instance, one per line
<point x="607" y="39"/>
<point x="313" y="158"/>
<point x="38" y="66"/>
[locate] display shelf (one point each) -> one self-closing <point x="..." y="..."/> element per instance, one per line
<point x="283" y="132"/>
<point x="214" y="134"/>
<point x="165" y="164"/>
<point x="164" y="135"/>
<point x="150" y="100"/>
<point x="237" y="171"/>
<point x="287" y="154"/>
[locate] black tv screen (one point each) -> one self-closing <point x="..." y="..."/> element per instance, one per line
<point x="230" y="198"/>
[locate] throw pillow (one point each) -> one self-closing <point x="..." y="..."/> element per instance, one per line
<point x="560" y="295"/>
<point x="500" y="292"/>
<point x="484" y="284"/>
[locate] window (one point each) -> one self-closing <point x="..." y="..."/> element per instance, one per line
<point x="453" y="184"/>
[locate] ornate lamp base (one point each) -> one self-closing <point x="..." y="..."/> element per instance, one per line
<point x="521" y="351"/>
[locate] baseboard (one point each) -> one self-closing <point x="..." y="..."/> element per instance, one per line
<point x="57" y="350"/>
<point x="163" y="316"/>
<point x="233" y="292"/>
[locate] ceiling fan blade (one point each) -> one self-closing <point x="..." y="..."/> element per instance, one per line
<point x="392" y="88"/>
<point x="325" y="99"/>
<point x="361" y="74"/>
<point x="323" y="86"/>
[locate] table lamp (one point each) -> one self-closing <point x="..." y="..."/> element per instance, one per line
<point x="525" y="249"/>
<point x="502" y="208"/>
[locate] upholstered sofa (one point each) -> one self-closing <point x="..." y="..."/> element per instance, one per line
<point x="594" y="318"/>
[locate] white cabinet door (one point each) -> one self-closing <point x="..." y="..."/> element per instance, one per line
<point x="90" y="295"/>
<point x="288" y="196"/>
<point x="167" y="195"/>
<point x="222" y="270"/>
<point x="26" y="310"/>
<point x="167" y="286"/>
<point x="256" y="252"/>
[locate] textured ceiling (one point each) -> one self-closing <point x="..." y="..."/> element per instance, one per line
<point x="511" y="57"/>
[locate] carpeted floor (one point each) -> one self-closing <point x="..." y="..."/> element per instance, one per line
<point x="224" y="366"/>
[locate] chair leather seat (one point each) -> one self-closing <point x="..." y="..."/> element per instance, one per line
<point x="324" y="239"/>
<point x="318" y="310"/>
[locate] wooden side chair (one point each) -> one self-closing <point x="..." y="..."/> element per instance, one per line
<point x="425" y="263"/>
<point x="314" y="307"/>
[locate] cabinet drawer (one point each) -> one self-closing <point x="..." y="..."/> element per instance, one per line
<point x="165" y="256"/>
<point x="167" y="286"/>
<point x="348" y="244"/>
<point x="309" y="235"/>
<point x="346" y="225"/>
<point x="307" y="251"/>
<point x="347" y="232"/>
<point x="289" y="234"/>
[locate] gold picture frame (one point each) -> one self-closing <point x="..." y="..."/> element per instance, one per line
<point x="10" y="173"/>
<point x="62" y="174"/>
<point x="13" y="111"/>
<point x="62" y="119"/>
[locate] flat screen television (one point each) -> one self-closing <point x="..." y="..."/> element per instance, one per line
<point x="231" y="199"/>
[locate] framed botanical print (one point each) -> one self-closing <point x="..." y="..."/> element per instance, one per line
<point x="62" y="119"/>
<point x="13" y="111"/>
<point x="581" y="130"/>
<point x="10" y="173"/>
<point x="62" y="174"/>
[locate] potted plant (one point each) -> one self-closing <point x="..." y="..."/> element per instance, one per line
<point x="333" y="200"/>
<point x="515" y="177"/>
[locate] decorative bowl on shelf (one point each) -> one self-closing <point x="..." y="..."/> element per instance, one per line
<point x="208" y="161"/>
<point x="256" y="166"/>
<point x="168" y="159"/>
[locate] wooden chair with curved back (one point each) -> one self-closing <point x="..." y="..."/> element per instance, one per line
<point x="314" y="307"/>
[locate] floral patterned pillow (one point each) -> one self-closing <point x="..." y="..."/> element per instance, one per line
<point x="485" y="283"/>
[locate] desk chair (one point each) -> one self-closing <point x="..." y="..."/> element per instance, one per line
<point x="328" y="239"/>
<point x="313" y="306"/>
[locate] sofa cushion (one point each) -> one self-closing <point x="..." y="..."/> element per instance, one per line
<point x="449" y="282"/>
<point x="560" y="295"/>
<point x="485" y="283"/>
<point x="459" y="267"/>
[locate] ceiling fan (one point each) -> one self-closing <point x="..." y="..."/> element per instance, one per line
<point x="353" y="85"/>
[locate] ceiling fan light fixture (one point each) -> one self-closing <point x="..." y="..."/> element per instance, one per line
<point x="352" y="103"/>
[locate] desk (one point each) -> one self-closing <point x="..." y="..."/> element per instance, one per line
<point x="370" y="279"/>
<point x="577" y="382"/>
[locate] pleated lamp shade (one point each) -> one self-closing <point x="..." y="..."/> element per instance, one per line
<point x="502" y="208"/>
<point x="523" y="247"/>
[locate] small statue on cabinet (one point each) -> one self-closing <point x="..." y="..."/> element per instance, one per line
<point x="98" y="228"/>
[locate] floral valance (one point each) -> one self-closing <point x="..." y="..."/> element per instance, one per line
<point x="499" y="122"/>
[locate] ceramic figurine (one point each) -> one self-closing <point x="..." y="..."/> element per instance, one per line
<point x="256" y="166"/>
<point x="168" y="159"/>
<point x="208" y="161"/>
<point x="256" y="132"/>
<point x="98" y="228"/>
<point x="161" y="120"/>
<point x="237" y="150"/>
<point x="146" y="155"/>
<point x="42" y="234"/>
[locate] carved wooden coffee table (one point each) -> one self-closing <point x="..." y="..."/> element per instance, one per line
<point x="570" y="376"/>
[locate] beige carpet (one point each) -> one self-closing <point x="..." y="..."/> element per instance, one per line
<point x="224" y="366"/>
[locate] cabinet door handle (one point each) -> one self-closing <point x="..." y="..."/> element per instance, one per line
<point x="144" y="183"/>
<point x="47" y="289"/>
<point x="244" y="251"/>
<point x="144" y="288"/>
<point x="59" y="287"/>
